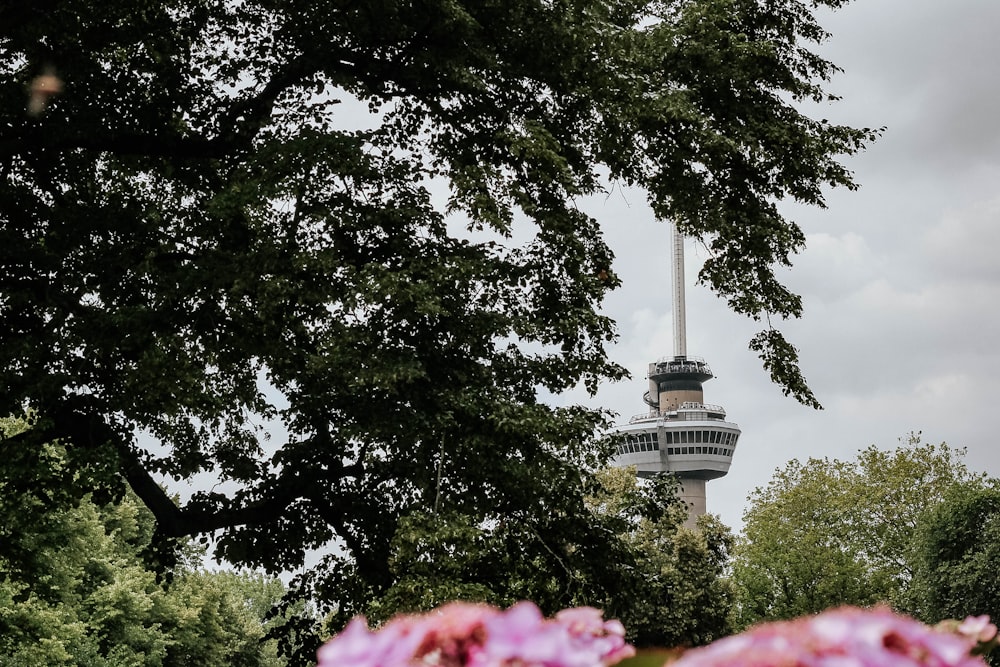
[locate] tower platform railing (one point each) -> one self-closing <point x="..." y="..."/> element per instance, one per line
<point x="683" y="413"/>
<point x="679" y="365"/>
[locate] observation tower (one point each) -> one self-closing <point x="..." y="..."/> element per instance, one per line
<point x="680" y="433"/>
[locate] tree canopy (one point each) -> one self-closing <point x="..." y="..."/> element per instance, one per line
<point x="663" y="581"/>
<point x="76" y="589"/>
<point x="224" y="254"/>
<point x="675" y="592"/>
<point x="828" y="532"/>
<point x="957" y="554"/>
<point x="93" y="601"/>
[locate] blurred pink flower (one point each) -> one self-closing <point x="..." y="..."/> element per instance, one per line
<point x="607" y="638"/>
<point x="845" y="637"/>
<point x="452" y="634"/>
<point x="357" y="646"/>
<point x="978" y="628"/>
<point x="521" y="635"/>
<point x="470" y="635"/>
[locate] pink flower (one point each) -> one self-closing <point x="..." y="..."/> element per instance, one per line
<point x="978" y="628"/>
<point x="357" y="646"/>
<point x="453" y="634"/>
<point x="470" y="635"/>
<point x="605" y="638"/>
<point x="845" y="637"/>
<point x="521" y="635"/>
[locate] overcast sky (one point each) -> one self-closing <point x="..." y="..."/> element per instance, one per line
<point x="900" y="279"/>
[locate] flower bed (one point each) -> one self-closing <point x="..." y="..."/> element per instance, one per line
<point x="472" y="635"/>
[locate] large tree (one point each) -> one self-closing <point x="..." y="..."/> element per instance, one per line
<point x="269" y="245"/>
<point x="957" y="554"/>
<point x="829" y="532"/>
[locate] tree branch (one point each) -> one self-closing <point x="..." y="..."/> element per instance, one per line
<point x="89" y="431"/>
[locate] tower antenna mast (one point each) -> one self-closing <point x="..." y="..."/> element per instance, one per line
<point x="680" y="321"/>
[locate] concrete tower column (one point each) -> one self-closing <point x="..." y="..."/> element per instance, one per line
<point x="692" y="492"/>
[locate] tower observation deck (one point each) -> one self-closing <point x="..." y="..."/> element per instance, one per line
<point x="680" y="433"/>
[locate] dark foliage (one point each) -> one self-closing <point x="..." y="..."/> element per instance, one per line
<point x="205" y="240"/>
